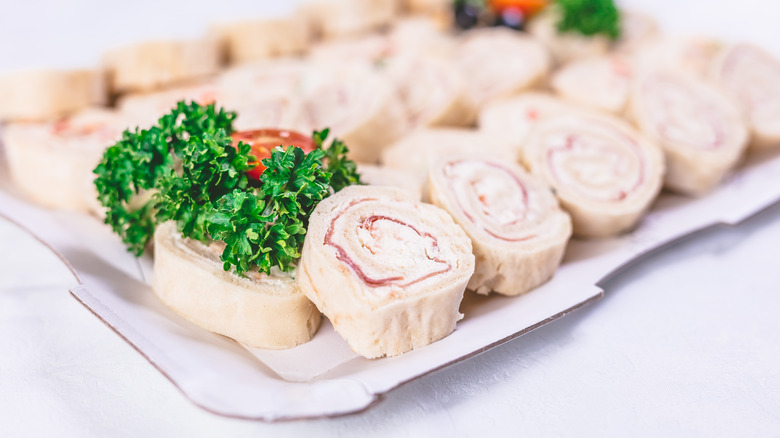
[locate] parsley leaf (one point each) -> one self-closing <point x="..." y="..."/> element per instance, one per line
<point x="589" y="17"/>
<point x="198" y="179"/>
<point x="138" y="162"/>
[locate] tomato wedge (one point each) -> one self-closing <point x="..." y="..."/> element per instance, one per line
<point x="263" y="141"/>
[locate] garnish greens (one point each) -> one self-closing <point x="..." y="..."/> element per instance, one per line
<point x="186" y="169"/>
<point x="589" y="17"/>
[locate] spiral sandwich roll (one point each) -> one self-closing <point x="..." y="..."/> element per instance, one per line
<point x="604" y="173"/>
<point x="433" y="94"/>
<point x="499" y="63"/>
<point x="514" y="118"/>
<point x="52" y="163"/>
<point x="263" y="311"/>
<point x="751" y="76"/>
<point x="360" y="106"/>
<point x="517" y="229"/>
<point x="389" y="272"/>
<point x="700" y="130"/>
<point x="602" y="83"/>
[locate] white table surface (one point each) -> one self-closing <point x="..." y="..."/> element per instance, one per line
<point x="684" y="344"/>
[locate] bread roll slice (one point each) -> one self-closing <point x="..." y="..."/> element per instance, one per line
<point x="43" y="95"/>
<point x="636" y="28"/>
<point x="691" y="54"/>
<point x="388" y="271"/>
<point x="419" y="151"/>
<point x="144" y="109"/>
<point x="151" y="65"/>
<point x="387" y="176"/>
<point x="500" y="62"/>
<point x="605" y="174"/>
<point x="344" y="18"/>
<point x="257" y="310"/>
<point x="514" y="118"/>
<point x="701" y="131"/>
<point x="517" y="230"/>
<point x="751" y="77"/>
<point x="263" y="94"/>
<point x="52" y="163"/>
<point x="432" y="92"/>
<point x="567" y="46"/>
<point x="252" y="40"/>
<point x="601" y="83"/>
<point x="360" y="106"/>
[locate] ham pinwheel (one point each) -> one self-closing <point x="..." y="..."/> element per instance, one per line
<point x="51" y="163"/>
<point x="500" y="62"/>
<point x="417" y="152"/>
<point x="389" y="272"/>
<point x="258" y="310"/>
<point x="514" y="118"/>
<point x="360" y="106"/>
<point x="688" y="54"/>
<point x="432" y="92"/>
<point x="602" y="83"/>
<point x="517" y="229"/>
<point x="604" y="173"/>
<point x="374" y="175"/>
<point x="700" y="130"/>
<point x="751" y="77"/>
<point x="565" y="46"/>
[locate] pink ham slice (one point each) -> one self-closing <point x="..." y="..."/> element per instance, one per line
<point x="388" y="271"/>
<point x="700" y="130"/>
<point x="604" y="173"/>
<point x="751" y="77"/>
<point x="52" y="163"/>
<point x="516" y="227"/>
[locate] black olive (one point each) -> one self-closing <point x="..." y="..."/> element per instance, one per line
<point x="511" y="17"/>
<point x="466" y="14"/>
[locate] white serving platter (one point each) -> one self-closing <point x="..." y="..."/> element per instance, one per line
<point x="324" y="377"/>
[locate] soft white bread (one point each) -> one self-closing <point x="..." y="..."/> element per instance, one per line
<point x="370" y="49"/>
<point x="144" y="109"/>
<point x="751" y="77"/>
<point x="151" y="65"/>
<point x="422" y="149"/>
<point x="605" y="174"/>
<point x="691" y="54"/>
<point x="515" y="117"/>
<point x="387" y="176"/>
<point x="52" y="163"/>
<point x="263" y="94"/>
<point x="432" y="92"/>
<point x="388" y="271"/>
<point x="701" y="131"/>
<point x="602" y="83"/>
<point x="635" y="29"/>
<point x="517" y="230"/>
<point x="341" y="18"/>
<point x="360" y="106"/>
<point x="253" y="40"/>
<point x="262" y="311"/>
<point x="49" y="94"/>
<point x="500" y="62"/>
<point x="567" y="46"/>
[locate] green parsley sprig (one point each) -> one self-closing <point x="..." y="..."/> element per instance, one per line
<point x="589" y="17"/>
<point x="198" y="178"/>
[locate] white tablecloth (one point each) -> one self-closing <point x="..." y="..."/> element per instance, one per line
<point x="684" y="344"/>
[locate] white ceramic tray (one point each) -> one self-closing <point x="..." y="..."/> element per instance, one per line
<point x="323" y="377"/>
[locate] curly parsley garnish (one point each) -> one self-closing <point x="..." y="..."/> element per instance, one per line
<point x="198" y="179"/>
<point x="589" y="17"/>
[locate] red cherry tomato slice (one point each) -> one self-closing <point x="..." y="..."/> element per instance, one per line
<point x="528" y="7"/>
<point x="264" y="140"/>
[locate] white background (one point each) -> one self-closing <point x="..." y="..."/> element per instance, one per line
<point x="684" y="344"/>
